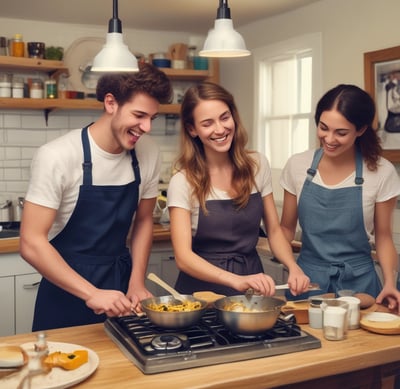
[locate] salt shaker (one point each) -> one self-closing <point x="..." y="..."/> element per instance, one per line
<point x="315" y="313"/>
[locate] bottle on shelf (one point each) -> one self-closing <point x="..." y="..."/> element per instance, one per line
<point x="17" y="87"/>
<point x="51" y="89"/>
<point x="3" y="46"/>
<point x="191" y="55"/>
<point x="36" y="89"/>
<point x="18" y="46"/>
<point x="5" y="85"/>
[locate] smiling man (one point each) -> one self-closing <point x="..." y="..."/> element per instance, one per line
<point x="88" y="189"/>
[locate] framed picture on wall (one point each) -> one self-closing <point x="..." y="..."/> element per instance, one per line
<point x="382" y="81"/>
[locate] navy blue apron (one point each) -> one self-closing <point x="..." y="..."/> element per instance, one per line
<point x="93" y="243"/>
<point x="227" y="238"/>
<point x="335" y="251"/>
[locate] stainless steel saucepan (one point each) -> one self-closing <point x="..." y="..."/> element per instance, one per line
<point x="248" y="315"/>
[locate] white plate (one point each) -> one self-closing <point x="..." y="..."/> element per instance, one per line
<point x="380" y="317"/>
<point x="59" y="378"/>
<point x="76" y="58"/>
<point x="381" y="323"/>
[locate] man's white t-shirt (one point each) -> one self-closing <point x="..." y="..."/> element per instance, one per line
<point x="56" y="172"/>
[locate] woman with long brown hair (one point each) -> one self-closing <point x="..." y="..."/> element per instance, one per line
<point x="217" y="200"/>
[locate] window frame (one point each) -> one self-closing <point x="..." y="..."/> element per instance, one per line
<point x="280" y="50"/>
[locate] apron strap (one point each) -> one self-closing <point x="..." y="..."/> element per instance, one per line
<point x="87" y="158"/>
<point x="359" y="180"/>
<point x="313" y="169"/>
<point x="135" y="165"/>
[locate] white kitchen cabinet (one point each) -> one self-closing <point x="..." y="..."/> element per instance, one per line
<point x="18" y="288"/>
<point x="7" y="320"/>
<point x="26" y="287"/>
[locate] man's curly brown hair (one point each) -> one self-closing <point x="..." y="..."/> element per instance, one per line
<point x="124" y="86"/>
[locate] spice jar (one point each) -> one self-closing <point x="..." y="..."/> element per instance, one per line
<point x="5" y="85"/>
<point x="51" y="89"/>
<point x="36" y="89"/>
<point x="18" y="87"/>
<point x="17" y="46"/>
<point x="315" y="313"/>
<point x="3" y="46"/>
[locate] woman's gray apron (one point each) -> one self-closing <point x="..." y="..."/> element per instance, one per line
<point x="227" y="238"/>
<point x="335" y="250"/>
<point x="93" y="243"/>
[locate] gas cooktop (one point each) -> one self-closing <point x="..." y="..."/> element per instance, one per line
<point x="155" y="350"/>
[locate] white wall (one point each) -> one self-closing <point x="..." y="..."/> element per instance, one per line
<point x="349" y="28"/>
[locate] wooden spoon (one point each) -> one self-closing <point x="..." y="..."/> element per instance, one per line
<point x="177" y="296"/>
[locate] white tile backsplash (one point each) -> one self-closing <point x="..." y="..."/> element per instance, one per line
<point x="22" y="132"/>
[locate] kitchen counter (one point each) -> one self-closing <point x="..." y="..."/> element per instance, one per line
<point x="11" y="245"/>
<point x="363" y="358"/>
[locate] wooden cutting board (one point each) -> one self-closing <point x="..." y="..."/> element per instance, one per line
<point x="381" y="323"/>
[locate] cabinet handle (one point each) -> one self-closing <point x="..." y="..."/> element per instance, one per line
<point x="31" y="286"/>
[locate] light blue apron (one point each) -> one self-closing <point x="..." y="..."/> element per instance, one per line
<point x="335" y="250"/>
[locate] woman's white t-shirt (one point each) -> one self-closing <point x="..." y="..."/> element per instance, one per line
<point x="179" y="191"/>
<point x="380" y="185"/>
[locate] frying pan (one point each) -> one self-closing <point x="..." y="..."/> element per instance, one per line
<point x="257" y="314"/>
<point x="172" y="320"/>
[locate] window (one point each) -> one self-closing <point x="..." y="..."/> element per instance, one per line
<point x="287" y="88"/>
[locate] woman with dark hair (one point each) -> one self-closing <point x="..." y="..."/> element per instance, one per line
<point x="343" y="195"/>
<point x="217" y="199"/>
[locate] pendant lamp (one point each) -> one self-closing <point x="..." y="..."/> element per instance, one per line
<point x="115" y="55"/>
<point x="223" y="40"/>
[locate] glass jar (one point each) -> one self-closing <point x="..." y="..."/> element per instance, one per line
<point x="3" y="46"/>
<point x="18" y="88"/>
<point x="5" y="85"/>
<point x="190" y="56"/>
<point x="17" y="46"/>
<point x="51" y="89"/>
<point x="36" y="89"/>
<point x="315" y="313"/>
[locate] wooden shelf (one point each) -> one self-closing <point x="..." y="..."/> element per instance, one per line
<point x="8" y="63"/>
<point x="78" y="104"/>
<point x="13" y="64"/>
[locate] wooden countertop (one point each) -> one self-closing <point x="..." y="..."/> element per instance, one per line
<point x="362" y="357"/>
<point x="11" y="245"/>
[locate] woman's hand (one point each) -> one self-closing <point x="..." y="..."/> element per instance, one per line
<point x="261" y="283"/>
<point x="298" y="282"/>
<point x="392" y="297"/>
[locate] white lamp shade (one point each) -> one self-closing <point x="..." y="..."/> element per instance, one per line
<point x="115" y="56"/>
<point x="224" y="41"/>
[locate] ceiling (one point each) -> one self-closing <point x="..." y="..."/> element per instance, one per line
<point x="195" y="16"/>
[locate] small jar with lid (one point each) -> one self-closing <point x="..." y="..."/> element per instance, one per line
<point x="5" y="85"/>
<point x="17" y="88"/>
<point x="36" y="89"/>
<point x="17" y="46"/>
<point x="51" y="89"/>
<point x="3" y="46"/>
<point x="315" y="313"/>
